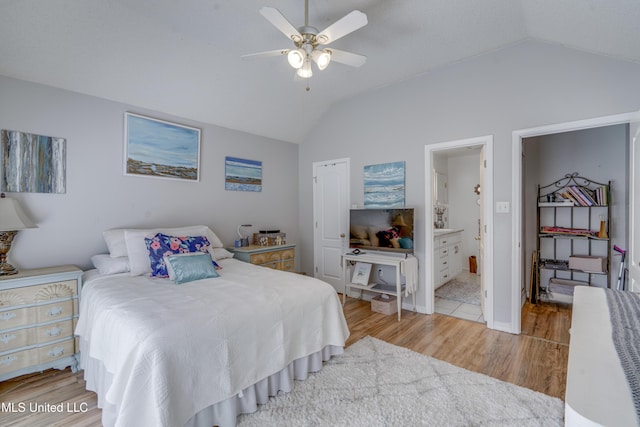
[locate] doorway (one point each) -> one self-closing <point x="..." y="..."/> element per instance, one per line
<point x="330" y="219"/>
<point x="467" y="192"/>
<point x="519" y="211"/>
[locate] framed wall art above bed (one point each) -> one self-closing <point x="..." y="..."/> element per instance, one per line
<point x="161" y="149"/>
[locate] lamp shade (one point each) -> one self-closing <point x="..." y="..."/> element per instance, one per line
<point x="322" y="58"/>
<point x="296" y="58"/>
<point x="12" y="217"/>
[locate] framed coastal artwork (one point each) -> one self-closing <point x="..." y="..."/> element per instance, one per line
<point x="384" y="185"/>
<point x="32" y="163"/>
<point x="161" y="149"/>
<point x="242" y="174"/>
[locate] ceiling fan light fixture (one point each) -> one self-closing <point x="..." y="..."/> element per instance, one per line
<point x="305" y="71"/>
<point x="296" y="58"/>
<point x="322" y="58"/>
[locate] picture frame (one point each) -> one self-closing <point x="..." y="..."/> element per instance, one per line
<point x="242" y="174"/>
<point x="32" y="163"/>
<point x="384" y="185"/>
<point x="158" y="148"/>
<point x="361" y="273"/>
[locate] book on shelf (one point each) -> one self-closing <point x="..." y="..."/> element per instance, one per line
<point x="602" y="195"/>
<point x="580" y="191"/>
<point x="361" y="273"/>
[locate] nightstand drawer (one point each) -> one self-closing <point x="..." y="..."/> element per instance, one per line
<point x="18" y="317"/>
<point x="38" y="293"/>
<point x="287" y="265"/>
<point x="16" y="339"/>
<point x="11" y="340"/>
<point x="18" y="360"/>
<point x="54" y="331"/>
<point x="57" y="310"/>
<point x="259" y="258"/>
<point x="56" y="351"/>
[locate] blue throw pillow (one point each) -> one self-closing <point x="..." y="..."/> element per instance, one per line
<point x="406" y="243"/>
<point x="161" y="245"/>
<point x="185" y="268"/>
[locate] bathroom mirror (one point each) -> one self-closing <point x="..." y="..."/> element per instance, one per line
<point x="441" y="194"/>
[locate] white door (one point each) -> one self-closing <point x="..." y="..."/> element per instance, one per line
<point x="483" y="191"/>
<point x="633" y="255"/>
<point x="330" y="219"/>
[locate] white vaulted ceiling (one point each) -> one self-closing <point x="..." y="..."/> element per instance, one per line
<point x="183" y="57"/>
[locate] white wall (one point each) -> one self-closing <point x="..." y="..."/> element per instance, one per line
<point x="100" y="197"/>
<point x="464" y="211"/>
<point x="522" y="86"/>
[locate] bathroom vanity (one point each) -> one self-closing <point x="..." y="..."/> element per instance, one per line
<point x="447" y="253"/>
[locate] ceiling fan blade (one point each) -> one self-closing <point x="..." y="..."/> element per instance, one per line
<point x="278" y="20"/>
<point x="266" y="54"/>
<point x="347" y="58"/>
<point x="345" y="25"/>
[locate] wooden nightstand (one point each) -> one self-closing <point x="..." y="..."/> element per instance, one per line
<point x="38" y="313"/>
<point x="280" y="257"/>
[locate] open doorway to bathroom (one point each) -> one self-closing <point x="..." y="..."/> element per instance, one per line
<point x="459" y="223"/>
<point x="456" y="253"/>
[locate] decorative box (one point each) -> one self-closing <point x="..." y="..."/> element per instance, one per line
<point x="384" y="305"/>
<point x="269" y="239"/>
<point x="595" y="264"/>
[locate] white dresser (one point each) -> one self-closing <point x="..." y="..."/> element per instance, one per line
<point x="38" y="313"/>
<point x="447" y="253"/>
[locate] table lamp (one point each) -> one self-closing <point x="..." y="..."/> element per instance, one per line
<point x="12" y="219"/>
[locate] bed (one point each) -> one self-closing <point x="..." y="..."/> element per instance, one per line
<point x="201" y="352"/>
<point x="598" y="391"/>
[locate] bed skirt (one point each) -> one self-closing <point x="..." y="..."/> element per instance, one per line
<point x="223" y="413"/>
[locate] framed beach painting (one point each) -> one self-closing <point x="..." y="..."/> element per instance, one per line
<point x="242" y="174"/>
<point x="32" y="163"/>
<point x="160" y="149"/>
<point x="384" y="185"/>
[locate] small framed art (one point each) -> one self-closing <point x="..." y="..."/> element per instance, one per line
<point x="361" y="273"/>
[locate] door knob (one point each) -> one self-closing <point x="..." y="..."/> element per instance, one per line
<point x="341" y="234"/>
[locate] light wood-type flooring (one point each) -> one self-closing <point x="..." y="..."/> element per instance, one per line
<point x="537" y="359"/>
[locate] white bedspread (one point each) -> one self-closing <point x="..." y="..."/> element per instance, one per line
<point x="176" y="349"/>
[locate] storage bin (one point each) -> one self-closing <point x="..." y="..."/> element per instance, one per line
<point x="595" y="264"/>
<point x="564" y="286"/>
<point x="384" y="306"/>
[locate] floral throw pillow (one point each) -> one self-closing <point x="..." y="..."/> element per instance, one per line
<point x="161" y="245"/>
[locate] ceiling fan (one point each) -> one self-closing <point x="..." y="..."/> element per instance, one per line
<point x="309" y="42"/>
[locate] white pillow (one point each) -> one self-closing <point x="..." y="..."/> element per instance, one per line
<point x="106" y="264"/>
<point x="115" y="242"/>
<point x="137" y="249"/>
<point x="220" y="253"/>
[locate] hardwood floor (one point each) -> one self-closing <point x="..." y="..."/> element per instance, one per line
<point x="537" y="359"/>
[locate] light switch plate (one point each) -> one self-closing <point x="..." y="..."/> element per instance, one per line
<point x="502" y="207"/>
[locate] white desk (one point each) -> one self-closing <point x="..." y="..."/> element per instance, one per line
<point x="396" y="260"/>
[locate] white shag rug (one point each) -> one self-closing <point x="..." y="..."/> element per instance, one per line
<point x="378" y="384"/>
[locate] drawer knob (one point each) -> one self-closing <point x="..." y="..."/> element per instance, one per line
<point x="54" y="311"/>
<point x="8" y="360"/>
<point x="54" y="332"/>
<point x="8" y="316"/>
<point x="6" y="338"/>
<point x="56" y="351"/>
